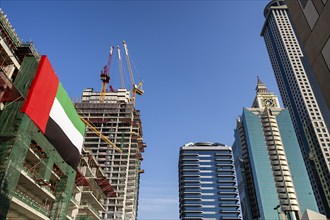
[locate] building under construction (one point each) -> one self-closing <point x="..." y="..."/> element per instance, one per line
<point x="116" y="118"/>
<point x="35" y="181"/>
<point x="90" y="190"/>
<point x="113" y="114"/>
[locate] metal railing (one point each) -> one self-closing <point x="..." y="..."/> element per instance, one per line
<point x="31" y="202"/>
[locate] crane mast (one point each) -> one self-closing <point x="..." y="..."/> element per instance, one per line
<point x="128" y="63"/>
<point x="137" y="88"/>
<point x="121" y="68"/>
<point x="105" y="76"/>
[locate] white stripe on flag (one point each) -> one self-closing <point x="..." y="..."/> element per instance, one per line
<point x="58" y="114"/>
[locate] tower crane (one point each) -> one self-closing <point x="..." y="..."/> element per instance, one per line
<point x="137" y="88"/>
<point x="105" y="76"/>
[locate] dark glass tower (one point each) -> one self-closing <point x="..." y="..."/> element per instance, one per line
<point x="207" y="182"/>
<point x="295" y="80"/>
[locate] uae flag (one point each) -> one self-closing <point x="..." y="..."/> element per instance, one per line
<point x="50" y="108"/>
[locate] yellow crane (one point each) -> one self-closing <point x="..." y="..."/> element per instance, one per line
<point x="137" y="88"/>
<point x="104" y="138"/>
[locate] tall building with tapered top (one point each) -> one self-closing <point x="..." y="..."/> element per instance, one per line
<point x="272" y="179"/>
<point x="295" y="80"/>
<point x="118" y="121"/>
<point x="310" y="20"/>
<point x="207" y="182"/>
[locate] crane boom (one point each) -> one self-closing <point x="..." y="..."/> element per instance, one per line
<point x="100" y="134"/>
<point x="137" y="88"/>
<point x="128" y="63"/>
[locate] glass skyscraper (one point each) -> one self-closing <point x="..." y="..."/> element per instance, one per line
<point x="272" y="179"/>
<point x="207" y="182"/>
<point x="301" y="97"/>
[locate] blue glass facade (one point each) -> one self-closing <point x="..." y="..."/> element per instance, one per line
<point x="241" y="176"/>
<point x="260" y="165"/>
<point x="272" y="177"/>
<point x="207" y="182"/>
<point x="303" y="189"/>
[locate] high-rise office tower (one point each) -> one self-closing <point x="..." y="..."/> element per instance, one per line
<point x="116" y="118"/>
<point x="294" y="78"/>
<point x="310" y="20"/>
<point x="207" y="182"/>
<point x="272" y="179"/>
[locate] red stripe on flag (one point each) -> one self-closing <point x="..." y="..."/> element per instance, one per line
<point x="41" y="94"/>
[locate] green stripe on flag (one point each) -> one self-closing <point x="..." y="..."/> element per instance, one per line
<point x="69" y="109"/>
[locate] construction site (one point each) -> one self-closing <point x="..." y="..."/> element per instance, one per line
<point x="36" y="182"/>
<point x="113" y="114"/>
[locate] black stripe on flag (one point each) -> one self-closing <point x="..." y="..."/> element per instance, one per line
<point x="62" y="143"/>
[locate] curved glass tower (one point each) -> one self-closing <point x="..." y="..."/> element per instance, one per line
<point x="207" y="182"/>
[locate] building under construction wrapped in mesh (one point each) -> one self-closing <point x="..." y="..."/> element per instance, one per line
<point x="35" y="181"/>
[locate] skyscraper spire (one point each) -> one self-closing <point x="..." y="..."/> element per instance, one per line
<point x="264" y="97"/>
<point x="259" y="81"/>
<point x="261" y="87"/>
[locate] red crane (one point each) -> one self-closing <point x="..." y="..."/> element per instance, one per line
<point x="105" y="76"/>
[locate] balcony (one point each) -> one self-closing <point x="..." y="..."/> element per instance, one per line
<point x="194" y="206"/>
<point x="229" y="205"/>
<point x="88" y="210"/>
<point x="192" y="211"/>
<point x="286" y="173"/>
<point x="226" y="180"/>
<point x="229" y="199"/>
<point x="231" y="211"/>
<point x="74" y="204"/>
<point x="275" y="162"/>
<point x="189" y="199"/>
<point x="23" y="205"/>
<point x="234" y="192"/>
<point x="92" y="199"/>
<point x="40" y="189"/>
<point x="226" y="175"/>
<point x="231" y="218"/>
<point x="279" y="179"/>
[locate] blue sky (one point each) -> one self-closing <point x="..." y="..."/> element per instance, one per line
<point x="199" y="61"/>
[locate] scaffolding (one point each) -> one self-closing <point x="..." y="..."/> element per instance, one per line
<point x="7" y="30"/>
<point x="35" y="181"/>
<point x="12" y="53"/>
<point x="91" y="189"/>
